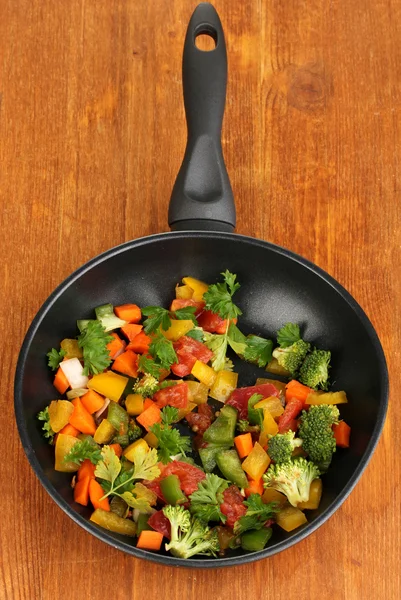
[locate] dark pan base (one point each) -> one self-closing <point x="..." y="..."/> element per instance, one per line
<point x="277" y="286"/>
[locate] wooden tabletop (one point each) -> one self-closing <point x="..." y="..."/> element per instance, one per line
<point x="92" y="133"/>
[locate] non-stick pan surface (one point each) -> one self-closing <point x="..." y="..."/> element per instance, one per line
<point x="276" y="286"/>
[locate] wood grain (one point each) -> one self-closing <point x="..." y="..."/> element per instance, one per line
<point x="92" y="134"/>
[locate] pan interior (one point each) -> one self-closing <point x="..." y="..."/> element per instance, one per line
<point x="276" y="287"/>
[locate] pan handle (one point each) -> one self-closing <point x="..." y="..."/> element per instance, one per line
<point x="202" y="198"/>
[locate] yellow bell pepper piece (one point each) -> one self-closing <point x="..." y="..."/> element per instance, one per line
<point x="276" y="369"/>
<point x="290" y="518"/>
<point x="71" y="348"/>
<point x="225" y="383"/>
<point x="197" y="392"/>
<point x="104" y="433"/>
<point x="204" y="373"/>
<point x="272" y="404"/>
<point x="60" y="412"/>
<point x="134" y="404"/>
<point x="108" y="384"/>
<point x="183" y="292"/>
<point x="151" y="440"/>
<point x="327" y="398"/>
<point x="183" y="412"/>
<point x="136" y="449"/>
<point x="315" y="494"/>
<point x="64" y="443"/>
<point x="272" y="495"/>
<point x="270" y="426"/>
<point x="177" y="329"/>
<point x="199" y="287"/>
<point x="256" y="462"/>
<point x="112" y="522"/>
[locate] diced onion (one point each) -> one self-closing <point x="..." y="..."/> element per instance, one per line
<point x="100" y="411"/>
<point x="76" y="393"/>
<point x="72" y="369"/>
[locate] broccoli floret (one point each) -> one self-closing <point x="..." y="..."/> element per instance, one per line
<point x="314" y="371"/>
<point x="147" y="386"/>
<point x="292" y="478"/>
<point x="134" y="431"/>
<point x="316" y="432"/>
<point x="244" y="427"/>
<point x="291" y="357"/>
<point x="189" y="536"/>
<point x="281" y="446"/>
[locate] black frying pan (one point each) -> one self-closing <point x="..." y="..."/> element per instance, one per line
<point x="277" y="286"/>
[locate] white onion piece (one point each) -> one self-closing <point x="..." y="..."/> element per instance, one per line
<point x="119" y="351"/>
<point x="105" y="405"/>
<point x="135" y="514"/>
<point x="72" y="369"/>
<point x="77" y="393"/>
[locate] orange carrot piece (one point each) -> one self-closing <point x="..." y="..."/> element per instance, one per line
<point x="294" y="389"/>
<point x="150" y="540"/>
<point x="146" y="403"/>
<point x="243" y="444"/>
<point x="115" y="345"/>
<point x="149" y="417"/>
<point x="126" y="363"/>
<point x="255" y="487"/>
<point x="341" y="433"/>
<point x="81" y="419"/>
<point x="60" y="382"/>
<point x="140" y="344"/>
<point x="69" y="430"/>
<point x="92" y="401"/>
<point x="131" y="330"/>
<point x="81" y="491"/>
<point x="96" y="492"/>
<point x="87" y="469"/>
<point x="117" y="449"/>
<point x="129" y="312"/>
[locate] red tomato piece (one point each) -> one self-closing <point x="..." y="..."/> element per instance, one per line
<point x="233" y="505"/>
<point x="159" y="522"/>
<point x="202" y="422"/>
<point x="188" y="352"/>
<point x="154" y="485"/>
<point x="186" y="361"/>
<point x="212" y="322"/>
<point x="287" y="420"/>
<point x="239" y="397"/>
<point x="179" y="303"/>
<point x="206" y="409"/>
<point x="188" y="475"/>
<point x="175" y="395"/>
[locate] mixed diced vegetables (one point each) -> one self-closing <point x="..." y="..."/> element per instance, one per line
<point x="134" y="376"/>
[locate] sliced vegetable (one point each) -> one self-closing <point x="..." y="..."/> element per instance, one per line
<point x="230" y="465"/>
<point x="150" y="417"/>
<point x="127" y="363"/>
<point x="116" y="346"/>
<point x="256" y="462"/>
<point x="224" y="384"/>
<point x="60" y="412"/>
<point x="81" y="491"/>
<point x="104" y="432"/>
<point x="243" y="444"/>
<point x="150" y="540"/>
<point x="342" y="433"/>
<point x="87" y="469"/>
<point x="96" y="494"/>
<point x="140" y="344"/>
<point x="108" y="384"/>
<point x="61" y="382"/>
<point x="255" y="486"/>
<point x="290" y="517"/>
<point x="204" y="373"/>
<point x="177" y="329"/>
<point x="255" y="540"/>
<point x="105" y="314"/>
<point x="198" y="287"/>
<point x="81" y="419"/>
<point x="326" y="398"/>
<point x="128" y="312"/>
<point x="297" y="390"/>
<point x="73" y="371"/>
<point x="183" y="292"/>
<point x="112" y="522"/>
<point x="92" y="401"/>
<point x="221" y="431"/>
<point x="315" y="494"/>
<point x="170" y="487"/>
<point x="64" y="443"/>
<point x="134" y="404"/>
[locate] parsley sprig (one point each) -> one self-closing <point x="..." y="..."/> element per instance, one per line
<point x="55" y="357"/>
<point x="171" y="442"/>
<point x="47" y="430"/>
<point x="93" y="340"/>
<point x="160" y="318"/>
<point x="256" y="515"/>
<point x="219" y="296"/>
<point x="82" y="450"/>
<point x="206" y="500"/>
<point x="288" y="335"/>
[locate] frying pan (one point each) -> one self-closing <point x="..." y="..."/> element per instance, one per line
<point x="276" y="286"/>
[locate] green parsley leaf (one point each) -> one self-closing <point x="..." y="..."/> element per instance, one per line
<point x="218" y="297"/>
<point x="256" y="515"/>
<point x="258" y="350"/>
<point x="82" y="450"/>
<point x="255" y="415"/>
<point x="140" y="497"/>
<point x="163" y="351"/>
<point x="186" y="313"/>
<point x="217" y="343"/>
<point x="288" y="335"/>
<point x="55" y="358"/>
<point x="171" y="442"/>
<point x="157" y="317"/>
<point x="93" y="340"/>
<point x="109" y="466"/>
<point x="206" y="500"/>
<point x="46" y="428"/>
<point x="145" y="465"/>
<point x="236" y="339"/>
<point x="196" y="333"/>
<point x="148" y="365"/>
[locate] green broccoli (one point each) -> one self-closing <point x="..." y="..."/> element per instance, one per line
<point x="189" y="536"/>
<point x="147" y="386"/>
<point x="291" y="357"/>
<point x="134" y="431"/>
<point x="281" y="446"/>
<point x="314" y="371"/>
<point x="316" y="432"/>
<point x="292" y="478"/>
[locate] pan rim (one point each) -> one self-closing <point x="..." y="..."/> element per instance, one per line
<point x="306" y="530"/>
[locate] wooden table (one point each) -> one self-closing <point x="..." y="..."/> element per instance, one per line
<point x="92" y="133"/>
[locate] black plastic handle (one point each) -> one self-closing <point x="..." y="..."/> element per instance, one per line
<point x="202" y="197"/>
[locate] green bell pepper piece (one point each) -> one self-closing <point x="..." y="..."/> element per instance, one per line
<point x="142" y="523"/>
<point x="222" y="430"/>
<point x="118" y="417"/>
<point x="255" y="415"/>
<point x="208" y="456"/>
<point x="171" y="490"/>
<point x="256" y="539"/>
<point x="230" y="465"/>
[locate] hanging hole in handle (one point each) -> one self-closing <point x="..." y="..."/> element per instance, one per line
<point x="205" y="38"/>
